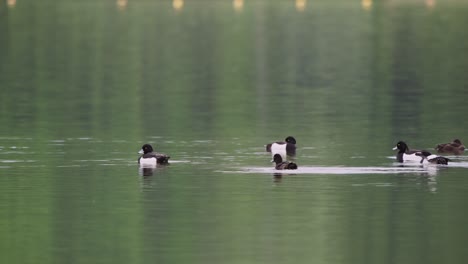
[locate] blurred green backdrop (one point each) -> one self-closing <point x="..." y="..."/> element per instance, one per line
<point x="84" y="83"/>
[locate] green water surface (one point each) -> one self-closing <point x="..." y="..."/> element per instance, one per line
<point x="83" y="84"/>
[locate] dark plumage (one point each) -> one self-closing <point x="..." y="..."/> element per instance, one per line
<point x="430" y="158"/>
<point x="149" y="156"/>
<point x="405" y="153"/>
<point x="288" y="146"/>
<point x="283" y="165"/>
<point x="455" y="147"/>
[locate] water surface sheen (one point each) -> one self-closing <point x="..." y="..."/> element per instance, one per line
<point x="84" y="85"/>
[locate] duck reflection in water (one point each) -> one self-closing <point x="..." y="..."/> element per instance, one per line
<point x="431" y="183"/>
<point x="146" y="177"/>
<point x="146" y="171"/>
<point x="427" y="181"/>
<point x="426" y="178"/>
<point x="277" y="177"/>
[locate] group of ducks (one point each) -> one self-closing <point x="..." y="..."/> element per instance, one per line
<point x="423" y="156"/>
<point x="282" y="149"/>
<point x="287" y="148"/>
<point x="279" y="150"/>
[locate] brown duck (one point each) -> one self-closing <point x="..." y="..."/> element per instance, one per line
<point x="283" y="165"/>
<point x="454" y="147"/>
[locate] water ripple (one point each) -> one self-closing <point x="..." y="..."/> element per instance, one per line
<point x="335" y="170"/>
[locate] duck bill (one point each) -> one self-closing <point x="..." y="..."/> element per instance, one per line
<point x="141" y="151"/>
<point x="395" y="148"/>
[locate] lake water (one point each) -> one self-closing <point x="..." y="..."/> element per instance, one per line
<point x="83" y="84"/>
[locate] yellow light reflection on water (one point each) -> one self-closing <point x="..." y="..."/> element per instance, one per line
<point x="178" y="4"/>
<point x="430" y="3"/>
<point x="301" y="5"/>
<point x="238" y="5"/>
<point x="11" y="3"/>
<point x="122" y="4"/>
<point x="366" y="4"/>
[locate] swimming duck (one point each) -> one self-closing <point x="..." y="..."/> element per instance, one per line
<point x="283" y="165"/>
<point x="284" y="148"/>
<point x="455" y="147"/>
<point x="427" y="157"/>
<point x="405" y="153"/>
<point x="151" y="158"/>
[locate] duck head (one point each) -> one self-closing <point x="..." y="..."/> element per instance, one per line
<point x="146" y="148"/>
<point x="401" y="146"/>
<point x="290" y="140"/>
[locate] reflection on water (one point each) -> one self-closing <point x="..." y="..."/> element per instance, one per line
<point x="84" y="84"/>
<point x="366" y="4"/>
<point x="431" y="170"/>
<point x="192" y="194"/>
<point x="178" y="4"/>
<point x="146" y="171"/>
<point x="430" y="3"/>
<point x="238" y="5"/>
<point x="122" y="4"/>
<point x="301" y="5"/>
<point x="11" y="3"/>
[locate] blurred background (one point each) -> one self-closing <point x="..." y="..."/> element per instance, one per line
<point x="83" y="84"/>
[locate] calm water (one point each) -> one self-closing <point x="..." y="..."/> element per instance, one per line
<point x="83" y="84"/>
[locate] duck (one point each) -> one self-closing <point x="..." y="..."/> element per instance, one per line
<point x="455" y="147"/>
<point x="427" y="157"/>
<point x="283" y="165"/>
<point x="284" y="148"/>
<point x="151" y="158"/>
<point x="406" y="154"/>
